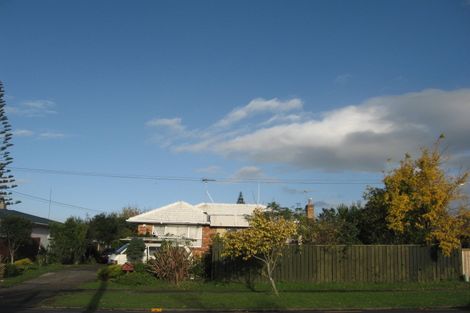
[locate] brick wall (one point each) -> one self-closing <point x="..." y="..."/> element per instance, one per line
<point x="144" y="229"/>
<point x="207" y="234"/>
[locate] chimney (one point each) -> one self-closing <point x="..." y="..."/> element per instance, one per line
<point x="3" y="205"/>
<point x="310" y="209"/>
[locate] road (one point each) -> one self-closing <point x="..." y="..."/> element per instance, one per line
<point x="28" y="294"/>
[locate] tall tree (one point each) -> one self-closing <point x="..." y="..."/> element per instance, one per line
<point x="373" y="227"/>
<point x="69" y="241"/>
<point x="419" y="195"/>
<point x="265" y="240"/>
<point x="17" y="232"/>
<point x="7" y="181"/>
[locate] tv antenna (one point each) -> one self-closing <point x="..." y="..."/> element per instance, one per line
<point x="205" y="181"/>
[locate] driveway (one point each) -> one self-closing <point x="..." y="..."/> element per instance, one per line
<point x="28" y="294"/>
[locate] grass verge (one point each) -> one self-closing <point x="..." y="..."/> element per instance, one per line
<point x="233" y="296"/>
<point x="30" y="274"/>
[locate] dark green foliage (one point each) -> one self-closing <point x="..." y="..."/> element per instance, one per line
<point x="69" y="241"/>
<point x="16" y="231"/>
<point x="373" y="227"/>
<point x="140" y="268"/>
<point x="7" y="181"/>
<point x="135" y="250"/>
<point x="107" y="229"/>
<point x="274" y="209"/>
<point x="11" y="270"/>
<point x="2" y="269"/>
<point x="136" y="279"/>
<point x="110" y="272"/>
<point x="333" y="226"/>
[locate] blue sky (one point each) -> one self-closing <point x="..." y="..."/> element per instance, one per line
<point x="324" y="91"/>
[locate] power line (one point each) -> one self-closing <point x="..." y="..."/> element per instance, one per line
<point x="44" y="200"/>
<point x="198" y="179"/>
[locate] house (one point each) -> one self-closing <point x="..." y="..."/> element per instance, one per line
<point x="40" y="232"/>
<point x="195" y="223"/>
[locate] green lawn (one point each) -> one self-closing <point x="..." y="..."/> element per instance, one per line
<point x="158" y="285"/>
<point x="198" y="295"/>
<point x="30" y="273"/>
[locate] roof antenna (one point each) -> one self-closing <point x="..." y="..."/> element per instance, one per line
<point x="205" y="181"/>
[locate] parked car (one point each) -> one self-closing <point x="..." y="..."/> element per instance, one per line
<point x="120" y="257"/>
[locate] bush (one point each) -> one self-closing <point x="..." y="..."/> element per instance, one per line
<point x="110" y="272"/>
<point x="23" y="263"/>
<point x="12" y="270"/>
<point x="136" y="279"/>
<point x="2" y="270"/>
<point x="135" y="250"/>
<point x="140" y="268"/>
<point x="43" y="256"/>
<point x="172" y="263"/>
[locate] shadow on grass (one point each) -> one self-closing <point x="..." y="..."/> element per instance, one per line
<point x="95" y="300"/>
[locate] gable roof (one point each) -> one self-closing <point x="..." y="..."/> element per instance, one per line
<point x="229" y="214"/>
<point x="175" y="213"/>
<point x="33" y="218"/>
<point x="228" y="208"/>
<point x="213" y="214"/>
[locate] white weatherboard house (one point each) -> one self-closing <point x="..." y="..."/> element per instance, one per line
<point x="196" y="223"/>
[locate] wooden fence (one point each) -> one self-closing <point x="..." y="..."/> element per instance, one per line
<point x="352" y="263"/>
<point x="466" y="262"/>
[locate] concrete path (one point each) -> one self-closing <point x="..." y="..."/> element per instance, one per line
<point x="28" y="294"/>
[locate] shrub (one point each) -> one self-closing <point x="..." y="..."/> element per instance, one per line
<point x="12" y="270"/>
<point x="172" y="263"/>
<point x="135" y="250"/>
<point x="135" y="279"/>
<point x="2" y="270"/>
<point x="43" y="256"/>
<point x="140" y="268"/>
<point x="23" y="263"/>
<point x="110" y="272"/>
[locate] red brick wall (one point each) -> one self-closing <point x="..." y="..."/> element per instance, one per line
<point x="144" y="229"/>
<point x="207" y="234"/>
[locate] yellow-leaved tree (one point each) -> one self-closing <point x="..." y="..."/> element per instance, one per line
<point x="265" y="240"/>
<point x="419" y="195"/>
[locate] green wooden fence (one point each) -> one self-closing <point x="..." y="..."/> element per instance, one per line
<point x="352" y="263"/>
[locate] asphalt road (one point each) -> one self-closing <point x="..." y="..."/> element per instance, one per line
<point x="28" y="294"/>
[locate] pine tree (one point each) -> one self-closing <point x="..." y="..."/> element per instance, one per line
<point x="7" y="181"/>
<point x="240" y="199"/>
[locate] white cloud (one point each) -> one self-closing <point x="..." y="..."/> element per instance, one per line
<point x="211" y="169"/>
<point x="172" y="124"/>
<point x="257" y="106"/>
<point x="357" y="137"/>
<point x="33" y="108"/>
<point x="343" y="79"/>
<point x="52" y="135"/>
<point x="248" y="172"/>
<point x="22" y="133"/>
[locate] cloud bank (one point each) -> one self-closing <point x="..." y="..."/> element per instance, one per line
<point x="358" y="137"/>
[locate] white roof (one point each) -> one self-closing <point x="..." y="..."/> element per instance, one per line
<point x="228" y="208"/>
<point x="176" y="213"/>
<point x="214" y="214"/>
<point x="228" y="214"/>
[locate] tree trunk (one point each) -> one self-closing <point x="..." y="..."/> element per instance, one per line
<point x="269" y="271"/>
<point x="12" y="255"/>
